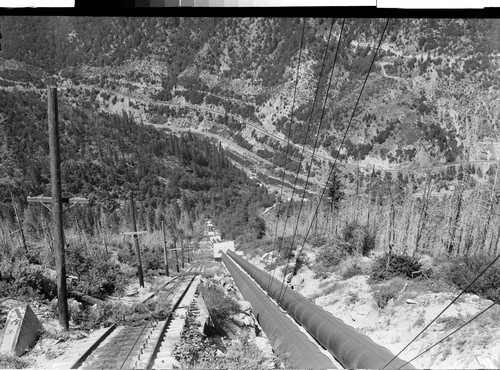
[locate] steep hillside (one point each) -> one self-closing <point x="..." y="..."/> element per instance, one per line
<point x="431" y="97"/>
<point x="105" y="157"/>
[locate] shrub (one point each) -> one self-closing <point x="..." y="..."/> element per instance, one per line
<point x="384" y="293"/>
<point x="98" y="275"/>
<point x="327" y="258"/>
<point x="317" y="240"/>
<point x="352" y="297"/>
<point x="461" y="271"/>
<point x="240" y="354"/>
<point x="193" y="348"/>
<point x="352" y="270"/>
<point x="358" y="237"/>
<point x="388" y="266"/>
<point x="153" y="259"/>
<point x="20" y="279"/>
<point x="220" y="306"/>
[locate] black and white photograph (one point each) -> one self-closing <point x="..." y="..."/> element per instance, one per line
<point x="249" y="192"/>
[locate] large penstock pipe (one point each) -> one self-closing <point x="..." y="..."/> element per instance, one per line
<point x="351" y="348"/>
<point x="284" y="335"/>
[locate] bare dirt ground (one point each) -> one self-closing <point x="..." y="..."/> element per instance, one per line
<point x="58" y="349"/>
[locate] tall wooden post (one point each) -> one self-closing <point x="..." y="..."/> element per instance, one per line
<point x="176" y="255"/>
<point x="182" y="251"/>
<point x="136" y="242"/>
<point x="57" y="212"/>
<point x="165" y="250"/>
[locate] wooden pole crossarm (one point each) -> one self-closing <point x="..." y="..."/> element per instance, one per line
<point x="76" y="201"/>
<point x="64" y="200"/>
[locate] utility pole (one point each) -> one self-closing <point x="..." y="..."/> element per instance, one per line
<point x="136" y="242"/>
<point x="165" y="250"/>
<point x="57" y="212"/>
<point x="182" y="251"/>
<point x="176" y="256"/>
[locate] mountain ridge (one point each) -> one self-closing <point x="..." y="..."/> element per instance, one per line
<point x="432" y="95"/>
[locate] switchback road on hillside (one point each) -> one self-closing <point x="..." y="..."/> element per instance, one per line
<point x="307" y="151"/>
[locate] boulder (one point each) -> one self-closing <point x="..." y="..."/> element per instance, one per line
<point x="248" y="321"/>
<point x="245" y="306"/>
<point x="243" y="320"/>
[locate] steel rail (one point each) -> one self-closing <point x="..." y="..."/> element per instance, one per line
<point x="351" y="348"/>
<point x="156" y="348"/>
<point x="178" y="283"/>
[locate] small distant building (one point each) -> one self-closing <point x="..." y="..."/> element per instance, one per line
<point x="222" y="247"/>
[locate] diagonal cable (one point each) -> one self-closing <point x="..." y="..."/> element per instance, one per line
<point x="444" y="309"/>
<point x="345" y="134"/>
<point x="303" y="147"/>
<point x="314" y="148"/>
<point x="288" y="139"/>
<point x="450" y="334"/>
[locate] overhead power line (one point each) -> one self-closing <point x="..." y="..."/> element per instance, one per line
<point x="450" y="334"/>
<point x="345" y="134"/>
<point x="314" y="149"/>
<point x="305" y="142"/>
<point x="444" y="309"/>
<point x="288" y="139"/>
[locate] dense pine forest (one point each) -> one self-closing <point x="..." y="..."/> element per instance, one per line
<point x="180" y="180"/>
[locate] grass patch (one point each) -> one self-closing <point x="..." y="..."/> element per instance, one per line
<point x="327" y="289"/>
<point x="12" y="362"/>
<point x="383" y="293"/>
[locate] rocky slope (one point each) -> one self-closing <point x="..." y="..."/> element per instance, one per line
<point x="432" y="95"/>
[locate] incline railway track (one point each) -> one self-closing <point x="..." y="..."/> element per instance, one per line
<point x="149" y="344"/>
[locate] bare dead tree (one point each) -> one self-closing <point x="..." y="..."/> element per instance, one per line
<point x="423" y="213"/>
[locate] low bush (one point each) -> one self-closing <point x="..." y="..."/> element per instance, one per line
<point x="108" y="313"/>
<point x="220" y="306"/>
<point x="355" y="240"/>
<point x="329" y="257"/>
<point x="461" y="271"/>
<point x="240" y="354"/>
<point x="317" y="240"/>
<point x="193" y="348"/>
<point x="358" y="237"/>
<point x="152" y="259"/>
<point x="352" y="270"/>
<point x="383" y="293"/>
<point x="98" y="275"/>
<point x="388" y="266"/>
<point x="18" y="278"/>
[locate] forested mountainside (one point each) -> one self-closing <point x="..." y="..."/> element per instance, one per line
<point x="104" y="157"/>
<point x="432" y="95"/>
